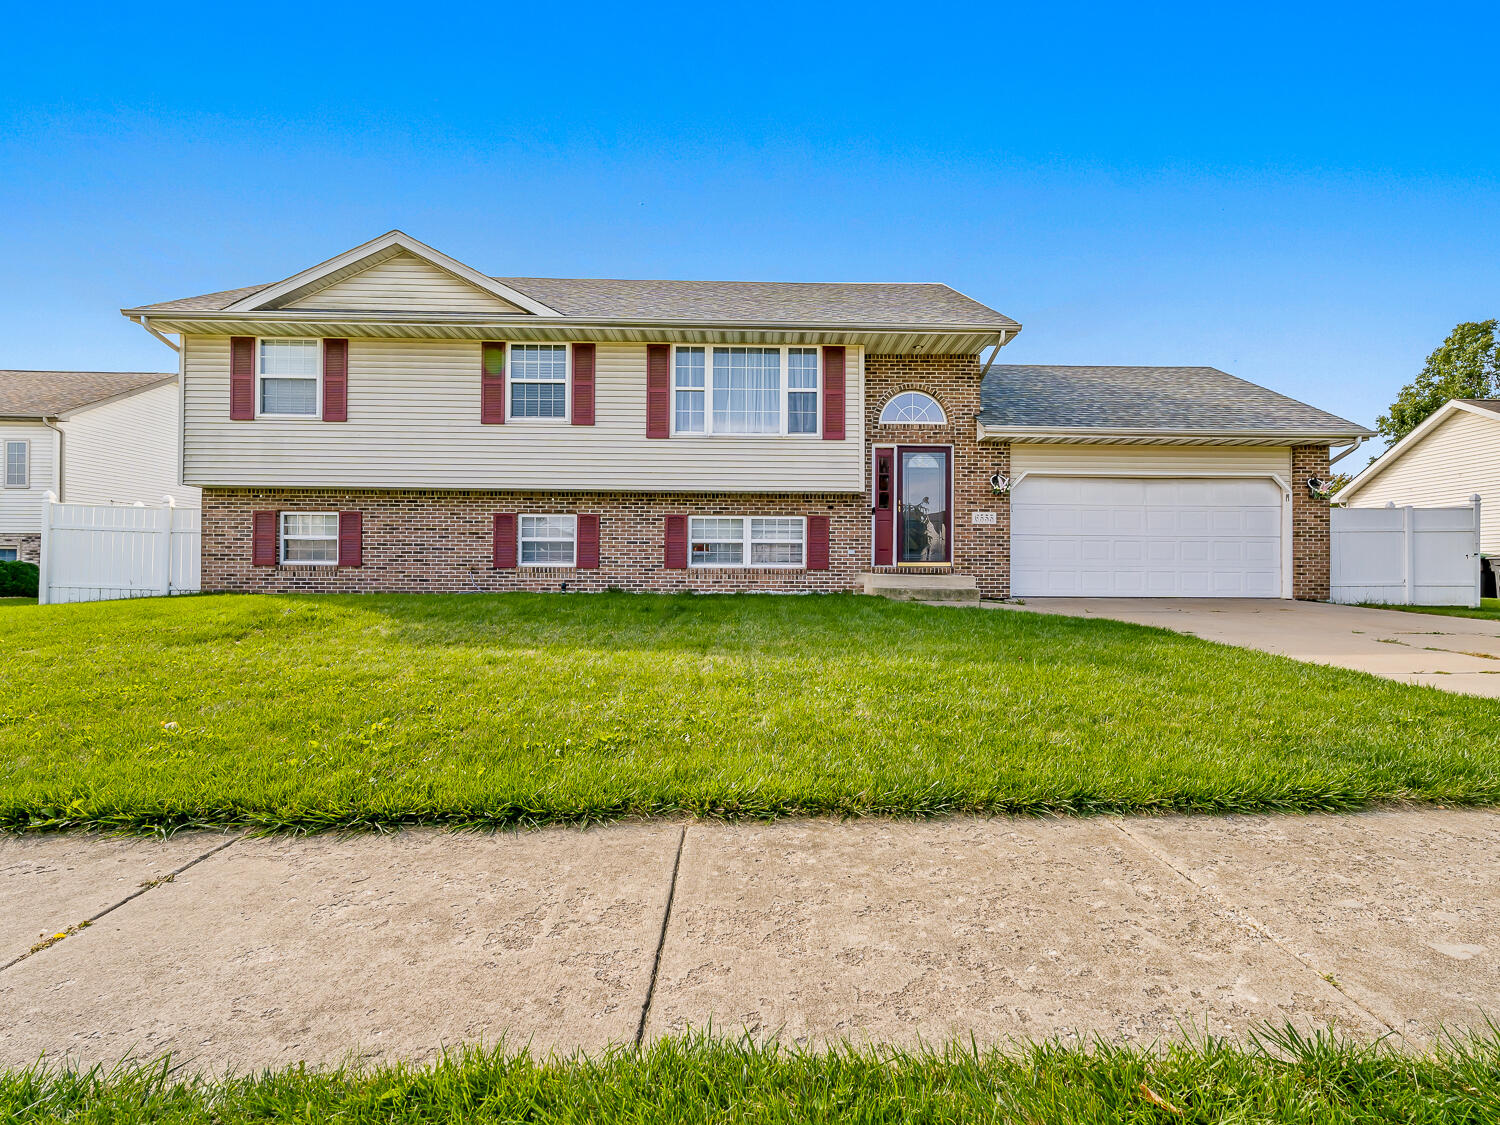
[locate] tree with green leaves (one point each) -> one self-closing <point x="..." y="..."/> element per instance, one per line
<point x="1466" y="366"/>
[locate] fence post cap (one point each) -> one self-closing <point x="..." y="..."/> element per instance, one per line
<point x="169" y="500"/>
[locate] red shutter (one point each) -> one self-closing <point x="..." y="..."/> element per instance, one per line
<point x="833" y="394"/>
<point x="351" y="539"/>
<point x="583" y="384"/>
<point x="241" y="378"/>
<point x="588" y="542"/>
<point x="677" y="546"/>
<point x="492" y="384"/>
<point x="335" y="380"/>
<point x="659" y="391"/>
<point x="263" y="538"/>
<point x="505" y="540"/>
<point x="817" y="542"/>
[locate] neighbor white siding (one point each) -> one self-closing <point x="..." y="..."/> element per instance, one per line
<point x="414" y="423"/>
<point x="1455" y="459"/>
<point x="402" y="284"/>
<point x="125" y="451"/>
<point x="21" y="508"/>
<point x="1123" y="460"/>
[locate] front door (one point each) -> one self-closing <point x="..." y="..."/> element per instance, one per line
<point x="912" y="520"/>
<point x="924" y="531"/>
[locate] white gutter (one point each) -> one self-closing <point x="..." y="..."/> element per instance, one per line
<point x="1069" y="433"/>
<point x="337" y="316"/>
<point x="57" y="462"/>
<point x="1359" y="441"/>
<point x="146" y="324"/>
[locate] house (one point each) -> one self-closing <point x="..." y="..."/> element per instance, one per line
<point x="1453" y="455"/>
<point x="394" y="419"/>
<point x="88" y="437"/>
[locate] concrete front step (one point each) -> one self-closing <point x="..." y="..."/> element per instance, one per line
<point x="952" y="589"/>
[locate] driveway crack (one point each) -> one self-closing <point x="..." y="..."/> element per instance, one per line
<point x="1327" y="979"/>
<point x="661" y="940"/>
<point x="149" y="885"/>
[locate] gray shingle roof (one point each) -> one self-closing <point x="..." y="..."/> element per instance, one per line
<point x="1490" y="404"/>
<point x="914" y="305"/>
<point x="30" y="394"/>
<point x="1144" y="398"/>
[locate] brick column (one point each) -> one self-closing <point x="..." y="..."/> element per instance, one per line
<point x="1310" y="525"/>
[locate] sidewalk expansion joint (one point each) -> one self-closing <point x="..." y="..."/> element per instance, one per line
<point x="149" y="885"/>
<point x="1265" y="931"/>
<point x="661" y="940"/>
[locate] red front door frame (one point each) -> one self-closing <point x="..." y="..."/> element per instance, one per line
<point x="885" y="527"/>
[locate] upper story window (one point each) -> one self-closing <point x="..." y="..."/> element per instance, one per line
<point x="913" y="408"/>
<point x="288" y="371"/>
<point x="745" y="390"/>
<point x="539" y="380"/>
<point x="18" y="464"/>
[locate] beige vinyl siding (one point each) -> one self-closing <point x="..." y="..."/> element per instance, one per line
<point x="1455" y="459"/>
<point x="404" y="284"/>
<point x="414" y="423"/>
<point x="1123" y="460"/>
<point x="21" y="508"/>
<point x="125" y="451"/>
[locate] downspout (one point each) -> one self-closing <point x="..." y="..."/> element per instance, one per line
<point x="1359" y="441"/>
<point x="57" y="462"/>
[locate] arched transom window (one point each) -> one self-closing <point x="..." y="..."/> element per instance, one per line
<point x="913" y="408"/>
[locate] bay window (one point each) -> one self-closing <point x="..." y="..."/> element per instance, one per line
<point x="745" y="390"/>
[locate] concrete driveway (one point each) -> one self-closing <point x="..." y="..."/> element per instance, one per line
<point x="1453" y="653"/>
<point x="239" y="953"/>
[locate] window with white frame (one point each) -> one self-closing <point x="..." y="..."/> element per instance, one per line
<point x="689" y="390"/>
<point x="745" y="390"/>
<point x="539" y="380"/>
<point x="17" y="464"/>
<point x="549" y="540"/>
<point x="310" y="538"/>
<point x="288" y="371"/>
<point x="757" y="541"/>
<point x="913" y="408"/>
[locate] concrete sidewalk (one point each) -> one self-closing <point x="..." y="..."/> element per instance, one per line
<point x="1459" y="654"/>
<point x="239" y="953"/>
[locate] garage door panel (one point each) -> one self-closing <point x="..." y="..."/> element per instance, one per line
<point x="1147" y="537"/>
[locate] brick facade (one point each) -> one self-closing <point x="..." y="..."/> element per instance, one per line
<point x="1311" y="522"/>
<point x="982" y="550"/>
<point x="441" y="541"/>
<point x="28" y="547"/>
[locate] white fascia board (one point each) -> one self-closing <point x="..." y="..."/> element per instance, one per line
<point x="392" y="240"/>
<point x="1062" y="434"/>
<point x="1390" y="456"/>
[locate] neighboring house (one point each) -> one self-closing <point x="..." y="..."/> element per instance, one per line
<point x="90" y="437"/>
<point x="393" y="419"/>
<point x="1453" y="455"/>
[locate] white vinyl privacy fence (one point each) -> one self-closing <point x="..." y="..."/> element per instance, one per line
<point x="95" y="552"/>
<point x="1406" y="556"/>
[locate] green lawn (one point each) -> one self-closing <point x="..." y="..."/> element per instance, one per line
<point x="319" y="712"/>
<point x="1489" y="609"/>
<point x="1276" y="1078"/>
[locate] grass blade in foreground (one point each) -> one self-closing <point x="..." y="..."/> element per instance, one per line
<point x="325" y="712"/>
<point x="1283" y="1077"/>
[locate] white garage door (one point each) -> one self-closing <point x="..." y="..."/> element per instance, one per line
<point x="1145" y="537"/>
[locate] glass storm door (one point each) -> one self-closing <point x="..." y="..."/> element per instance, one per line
<point x="923" y="533"/>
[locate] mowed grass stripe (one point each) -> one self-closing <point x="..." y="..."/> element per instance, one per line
<point x="333" y="712"/>
<point x="1278" y="1077"/>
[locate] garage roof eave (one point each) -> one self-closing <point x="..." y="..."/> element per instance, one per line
<point x="1097" y="435"/>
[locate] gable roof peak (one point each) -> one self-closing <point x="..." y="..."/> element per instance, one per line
<point x="373" y="252"/>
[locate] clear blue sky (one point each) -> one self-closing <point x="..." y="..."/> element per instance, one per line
<point x="1304" y="195"/>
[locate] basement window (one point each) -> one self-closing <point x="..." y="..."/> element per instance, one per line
<point x="310" y="538"/>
